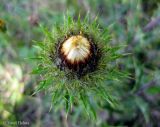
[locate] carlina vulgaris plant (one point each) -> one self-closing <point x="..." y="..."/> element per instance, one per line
<point x="75" y="61"/>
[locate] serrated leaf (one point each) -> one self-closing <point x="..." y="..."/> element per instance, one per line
<point x="95" y="24"/>
<point x="67" y="105"/>
<point x="92" y="110"/>
<point x="107" y="97"/>
<point x="56" y="95"/>
<point x="39" y="70"/>
<point x="84" y="101"/>
<point x="37" y="47"/>
<point x="39" y="44"/>
<point x="36" y="71"/>
<point x="68" y="101"/>
<point x="86" y="19"/>
<point x="116" y="56"/>
<point x="116" y="48"/>
<point x="40" y="87"/>
<point x="49" y="81"/>
<point x="35" y="58"/>
<point x="88" y="107"/>
<point x="69" y="20"/>
<point x="46" y="31"/>
<point x="79" y="21"/>
<point x="105" y="32"/>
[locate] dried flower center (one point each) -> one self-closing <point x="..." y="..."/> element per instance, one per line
<point x="76" y="48"/>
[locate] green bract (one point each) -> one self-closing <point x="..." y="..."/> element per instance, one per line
<point x="64" y="84"/>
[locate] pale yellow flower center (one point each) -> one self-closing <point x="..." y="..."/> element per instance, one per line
<point x="76" y="48"/>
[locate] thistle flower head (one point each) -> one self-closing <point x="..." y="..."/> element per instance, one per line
<point x="75" y="62"/>
<point x="76" y="49"/>
<point x="78" y="55"/>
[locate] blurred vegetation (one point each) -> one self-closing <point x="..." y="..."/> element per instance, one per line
<point x="135" y="23"/>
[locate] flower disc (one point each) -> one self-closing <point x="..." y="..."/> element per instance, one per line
<point x="77" y="53"/>
<point x="76" y="49"/>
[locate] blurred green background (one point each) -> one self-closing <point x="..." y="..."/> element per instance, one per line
<point x="135" y="23"/>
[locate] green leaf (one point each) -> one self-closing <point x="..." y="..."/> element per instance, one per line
<point x="56" y="95"/>
<point x="43" y="85"/>
<point x="84" y="101"/>
<point x="116" y="48"/>
<point x="46" y="31"/>
<point x="40" y="87"/>
<point x="143" y="106"/>
<point x="86" y="18"/>
<point x="49" y="81"/>
<point x="70" y="20"/>
<point x="79" y="21"/>
<point x="154" y="90"/>
<point x="92" y="110"/>
<point x="138" y="74"/>
<point x="39" y="44"/>
<point x="68" y="101"/>
<point x="107" y="97"/>
<point x="38" y="71"/>
<point x="88" y="107"/>
<point x="105" y="32"/>
<point x="35" y="58"/>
